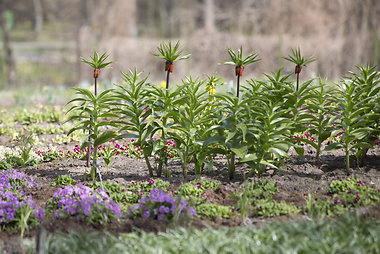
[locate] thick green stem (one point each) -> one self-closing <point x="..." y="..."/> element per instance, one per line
<point x="199" y="162"/>
<point x="362" y="158"/>
<point x="148" y="164"/>
<point x="238" y="86"/>
<point x="231" y="166"/>
<point x="95" y="153"/>
<point x="96" y="87"/>
<point x="162" y="159"/>
<point x="298" y="80"/>
<point x="317" y="157"/>
<point x="167" y="79"/>
<point x="88" y="155"/>
<point x="164" y="156"/>
<point x="185" y="163"/>
<point x="159" y="168"/>
<point x="347" y="161"/>
<point x="198" y="168"/>
<point x="319" y="149"/>
<point x="184" y="169"/>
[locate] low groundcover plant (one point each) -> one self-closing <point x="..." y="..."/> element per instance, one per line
<point x="17" y="209"/>
<point x="345" y="195"/>
<point x="161" y="206"/>
<point x="89" y="205"/>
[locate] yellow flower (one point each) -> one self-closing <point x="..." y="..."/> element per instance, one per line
<point x="211" y="90"/>
<point x="163" y="84"/>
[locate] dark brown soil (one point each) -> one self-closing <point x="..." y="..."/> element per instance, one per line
<point x="298" y="177"/>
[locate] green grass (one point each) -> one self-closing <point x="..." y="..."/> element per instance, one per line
<point x="45" y="74"/>
<point x="24" y="31"/>
<point x="348" y="235"/>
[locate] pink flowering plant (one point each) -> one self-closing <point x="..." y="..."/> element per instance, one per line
<point x="344" y="196"/>
<point x="130" y="149"/>
<point x="354" y="192"/>
<point x="161" y="206"/>
<point x="195" y="191"/>
<point x="51" y="155"/>
<point x="93" y="206"/>
<point x="197" y="187"/>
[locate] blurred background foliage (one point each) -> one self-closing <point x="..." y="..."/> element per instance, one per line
<point x="43" y="40"/>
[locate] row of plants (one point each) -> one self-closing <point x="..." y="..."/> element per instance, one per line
<point x="255" y="199"/>
<point x="149" y="198"/>
<point x="27" y="154"/>
<point x="36" y="120"/>
<point x="39" y="114"/>
<point x="19" y="212"/>
<point x="88" y="202"/>
<point x="258" y="126"/>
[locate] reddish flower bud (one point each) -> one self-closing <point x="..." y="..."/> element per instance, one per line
<point x="298" y="69"/>
<point x="169" y="66"/>
<point x="239" y="70"/>
<point x="96" y="73"/>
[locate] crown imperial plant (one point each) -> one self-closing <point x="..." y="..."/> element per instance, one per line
<point x="170" y="54"/>
<point x="299" y="61"/>
<point x="239" y="62"/>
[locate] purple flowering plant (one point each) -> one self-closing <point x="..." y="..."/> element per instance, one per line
<point x="82" y="201"/>
<point x="132" y="192"/>
<point x="139" y="189"/>
<point x="17" y="209"/>
<point x="16" y="180"/>
<point x="113" y="189"/>
<point x="161" y="206"/>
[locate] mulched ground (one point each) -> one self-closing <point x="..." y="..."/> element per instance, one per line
<point x="298" y="177"/>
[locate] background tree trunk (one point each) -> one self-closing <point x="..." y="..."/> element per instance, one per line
<point x="85" y="15"/>
<point x="209" y="13"/>
<point x="38" y="18"/>
<point x="9" y="61"/>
